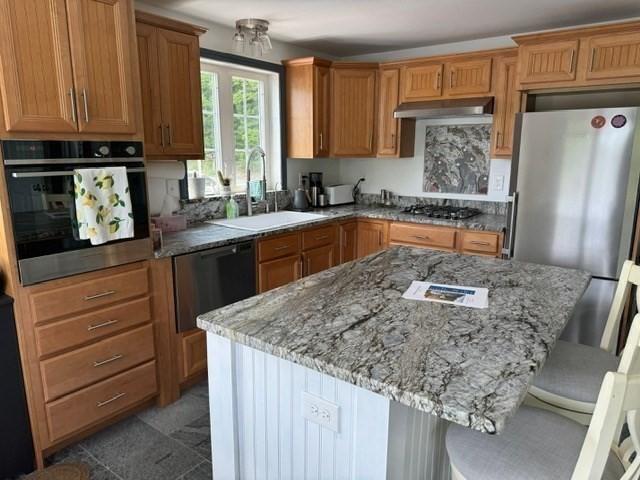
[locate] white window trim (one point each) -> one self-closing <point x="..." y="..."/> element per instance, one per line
<point x="270" y="127"/>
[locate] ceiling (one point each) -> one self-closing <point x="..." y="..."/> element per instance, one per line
<point x="352" y="27"/>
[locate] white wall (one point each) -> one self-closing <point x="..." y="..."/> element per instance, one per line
<point x="219" y="36"/>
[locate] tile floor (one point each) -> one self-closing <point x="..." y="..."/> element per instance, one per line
<point x="171" y="443"/>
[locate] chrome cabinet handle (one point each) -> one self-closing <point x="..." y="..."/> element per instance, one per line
<point x="498" y="137"/>
<point x="100" y="295"/>
<point x="438" y="80"/>
<point x="62" y="173"/>
<point x="593" y="59"/>
<point x="478" y="242"/>
<point x="169" y="136"/>
<point x="86" y="105"/>
<point x="74" y="113"/>
<point x="112" y="399"/>
<point x="379" y="238"/>
<point x="322" y="237"/>
<point x="393" y="140"/>
<point x="99" y="363"/>
<point x="321" y="142"/>
<point x="451" y="79"/>
<point x="421" y="237"/>
<point x="162" y="137"/>
<point x="281" y="247"/>
<point x="108" y="323"/>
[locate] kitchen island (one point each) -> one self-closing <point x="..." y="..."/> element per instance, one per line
<point x="382" y="374"/>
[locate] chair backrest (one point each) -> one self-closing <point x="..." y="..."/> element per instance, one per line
<point x="619" y="398"/>
<point x="629" y="275"/>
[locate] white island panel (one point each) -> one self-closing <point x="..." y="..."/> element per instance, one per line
<point x="259" y="432"/>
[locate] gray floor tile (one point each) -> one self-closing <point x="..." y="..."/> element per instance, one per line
<point x="78" y="454"/>
<point x="199" y="390"/>
<point x="136" y="451"/>
<point x="204" y="471"/>
<point x="177" y="415"/>
<point x="197" y="436"/>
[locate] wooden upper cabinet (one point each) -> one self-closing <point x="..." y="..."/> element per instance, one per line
<point x="613" y="55"/>
<point x="353" y="110"/>
<point x="507" y="104"/>
<point x="464" y="77"/>
<point x="321" y="110"/>
<point x="169" y="60"/>
<point x="147" y="37"/>
<point x="36" y="77"/>
<point x="548" y="62"/>
<point x="101" y="34"/>
<point x="421" y="82"/>
<point x="308" y="98"/>
<point x="395" y="136"/>
<point x="179" y="65"/>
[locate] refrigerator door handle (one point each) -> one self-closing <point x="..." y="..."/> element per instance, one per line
<point x="507" y="252"/>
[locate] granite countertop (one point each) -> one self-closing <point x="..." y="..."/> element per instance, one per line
<point x="206" y="235"/>
<point x="469" y="366"/>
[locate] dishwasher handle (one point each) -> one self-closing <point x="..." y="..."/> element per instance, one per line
<point x="224" y="251"/>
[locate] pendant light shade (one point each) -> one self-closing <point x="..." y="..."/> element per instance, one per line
<point x="254" y="32"/>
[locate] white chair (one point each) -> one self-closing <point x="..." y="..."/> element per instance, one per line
<point x="570" y="380"/>
<point x="539" y="444"/>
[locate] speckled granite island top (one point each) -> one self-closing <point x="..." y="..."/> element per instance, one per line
<point x="207" y="235"/>
<point x="465" y="365"/>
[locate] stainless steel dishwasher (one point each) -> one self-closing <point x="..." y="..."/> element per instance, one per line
<point x="211" y="279"/>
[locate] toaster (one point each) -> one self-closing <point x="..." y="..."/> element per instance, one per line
<point x="339" y="194"/>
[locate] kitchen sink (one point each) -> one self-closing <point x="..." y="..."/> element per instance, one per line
<point x="267" y="221"/>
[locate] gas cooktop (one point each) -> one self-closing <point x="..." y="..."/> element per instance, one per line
<point x="442" y="211"/>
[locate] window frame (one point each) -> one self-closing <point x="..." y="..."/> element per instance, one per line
<point x="275" y="140"/>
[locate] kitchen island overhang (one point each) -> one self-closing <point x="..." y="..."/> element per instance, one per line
<point x="350" y="324"/>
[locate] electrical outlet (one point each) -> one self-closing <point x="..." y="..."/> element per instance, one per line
<point x="173" y="188"/>
<point x="318" y="410"/>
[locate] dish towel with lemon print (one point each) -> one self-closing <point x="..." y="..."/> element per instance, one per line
<point x="103" y="204"/>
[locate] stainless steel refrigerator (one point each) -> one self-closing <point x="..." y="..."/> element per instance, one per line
<point x="574" y="195"/>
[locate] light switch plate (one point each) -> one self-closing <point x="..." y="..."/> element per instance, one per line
<point x="498" y="183"/>
<point x="318" y="410"/>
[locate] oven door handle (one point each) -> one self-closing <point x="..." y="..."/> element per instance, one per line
<point x="62" y="173"/>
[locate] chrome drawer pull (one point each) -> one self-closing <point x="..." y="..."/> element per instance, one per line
<point x="112" y="399"/>
<point x="100" y="295"/>
<point x="322" y="237"/>
<point x="281" y="247"/>
<point x="420" y="237"/>
<point x="100" y="325"/>
<point x="108" y="360"/>
<point x="478" y="242"/>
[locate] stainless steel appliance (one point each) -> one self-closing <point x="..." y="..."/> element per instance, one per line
<point x="211" y="279"/>
<point x="442" y="211"/>
<point x="574" y="192"/>
<point x="339" y="194"/>
<point x="39" y="176"/>
<point x="457" y="107"/>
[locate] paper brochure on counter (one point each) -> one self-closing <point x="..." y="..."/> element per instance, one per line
<point x="472" y="297"/>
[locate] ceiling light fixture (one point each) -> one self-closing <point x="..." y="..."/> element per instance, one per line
<point x="253" y="31"/>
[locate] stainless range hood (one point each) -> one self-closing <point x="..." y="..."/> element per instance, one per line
<point x="462" y="107"/>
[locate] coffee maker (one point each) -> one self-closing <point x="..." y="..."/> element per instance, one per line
<point x="316" y="191"/>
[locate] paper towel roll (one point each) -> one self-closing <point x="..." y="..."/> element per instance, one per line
<point x="166" y="170"/>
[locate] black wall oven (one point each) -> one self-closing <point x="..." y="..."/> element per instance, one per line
<point x="39" y="176"/>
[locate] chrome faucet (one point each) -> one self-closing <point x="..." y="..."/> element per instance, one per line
<point x="263" y="182"/>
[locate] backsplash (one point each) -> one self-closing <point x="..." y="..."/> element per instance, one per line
<point x="494" y="208"/>
<point x="198" y="211"/>
<point x="456" y="159"/>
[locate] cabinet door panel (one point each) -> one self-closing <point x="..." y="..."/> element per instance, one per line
<point x="507" y="104"/>
<point x="348" y="242"/>
<point x="353" y="112"/>
<point x="321" y="110"/>
<point x="421" y="82"/>
<point x="150" y="88"/>
<point x="614" y="56"/>
<point x="372" y="237"/>
<point x="101" y="33"/>
<point x="279" y="272"/>
<point x="388" y="126"/>
<point x="318" y="259"/>
<point x="179" y="62"/>
<point x="548" y="62"/>
<point x="468" y="76"/>
<point x="35" y="58"/>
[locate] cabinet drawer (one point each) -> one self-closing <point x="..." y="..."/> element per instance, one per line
<point x="90" y="405"/>
<point x="480" y="242"/>
<point x="437" y="237"/>
<point x="318" y="237"/>
<point x="71" y="332"/>
<point x="277" y="247"/>
<point x="79" y="368"/>
<point x="83" y="296"/>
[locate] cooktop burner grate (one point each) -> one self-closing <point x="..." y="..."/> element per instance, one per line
<point x="442" y="211"/>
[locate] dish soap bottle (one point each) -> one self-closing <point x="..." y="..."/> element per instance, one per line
<point x="232" y="208"/>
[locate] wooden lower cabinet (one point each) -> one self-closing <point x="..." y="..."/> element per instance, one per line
<point x="480" y="243"/>
<point x="348" y="241"/>
<point x="371" y="237"/>
<point x="435" y="237"/>
<point x="192" y="353"/>
<point x="275" y="273"/>
<point x="318" y="259"/>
